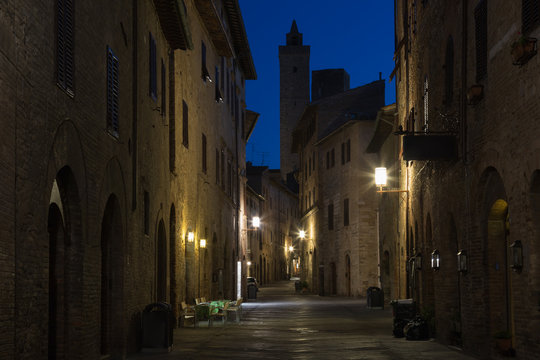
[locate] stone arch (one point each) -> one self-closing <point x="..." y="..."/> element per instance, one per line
<point x="112" y="280"/>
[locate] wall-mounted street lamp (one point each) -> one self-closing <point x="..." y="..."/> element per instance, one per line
<point x="381" y="179"/>
<point x="249" y="263"/>
<point x="256" y="222"/>
<point x="190" y="236"/>
<point x="202" y="243"/>
<point x="517" y="255"/>
<point x="435" y="260"/>
<point x="302" y="234"/>
<point x="291" y="249"/>
<point x="462" y="261"/>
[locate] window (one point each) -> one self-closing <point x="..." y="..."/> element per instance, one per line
<point x="342" y="153"/>
<point x="530" y="15"/>
<point x="346" y="212"/>
<point x="185" y="134"/>
<point x="219" y="98"/>
<point x="204" y="70"/>
<point x="309" y="162"/>
<point x="333" y="158"/>
<point x="222" y="82"/>
<point x="449" y="72"/>
<point x="217" y="166"/>
<point x="331" y="217"/>
<point x="348" y="150"/>
<point x="172" y="117"/>
<point x="64" y="45"/>
<point x="152" y="68"/>
<point x="203" y="152"/>
<point x="112" y="93"/>
<point x="223" y="170"/>
<point x="328" y="160"/>
<point x="163" y="89"/>
<point x="146" y="213"/>
<point x="313" y="161"/>
<point x="426" y="105"/>
<point x="480" y="27"/>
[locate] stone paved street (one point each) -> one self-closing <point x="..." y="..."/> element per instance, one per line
<point x="283" y="325"/>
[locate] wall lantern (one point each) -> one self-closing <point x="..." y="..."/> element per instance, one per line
<point x="418" y="261"/>
<point x="202" y="243"/>
<point x="381" y="179"/>
<point x="462" y="261"/>
<point x="191" y="236"/>
<point x="291" y="249"/>
<point x="302" y="234"/>
<point x="517" y="255"/>
<point x="256" y="222"/>
<point x="380" y="176"/>
<point x="249" y="263"/>
<point x="435" y="260"/>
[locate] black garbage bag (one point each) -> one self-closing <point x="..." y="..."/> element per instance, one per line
<point x="399" y="324"/>
<point x="416" y="329"/>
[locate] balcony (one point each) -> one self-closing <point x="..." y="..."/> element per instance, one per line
<point x="429" y="146"/>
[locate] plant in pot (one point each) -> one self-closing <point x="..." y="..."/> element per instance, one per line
<point x="503" y="340"/>
<point x="523" y="48"/>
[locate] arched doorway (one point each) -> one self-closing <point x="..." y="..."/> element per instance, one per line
<point x="173" y="290"/>
<point x="57" y="306"/>
<point x="112" y="269"/>
<point x="348" y="274"/>
<point x="495" y="257"/>
<point x="161" y="293"/>
<point x="64" y="228"/>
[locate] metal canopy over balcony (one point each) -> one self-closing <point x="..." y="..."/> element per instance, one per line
<point x="429" y="146"/>
<point x="173" y="21"/>
<point x="215" y="27"/>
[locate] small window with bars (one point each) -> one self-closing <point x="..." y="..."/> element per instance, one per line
<point x="64" y="45"/>
<point x="112" y="93"/>
<point x="530" y="15"/>
<point x="185" y="124"/>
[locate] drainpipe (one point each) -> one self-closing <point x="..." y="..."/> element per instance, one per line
<point x="134" y="109"/>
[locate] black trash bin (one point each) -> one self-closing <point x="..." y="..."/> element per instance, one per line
<point x="375" y="298"/>
<point x="252" y="292"/>
<point x="404" y="310"/>
<point x="157" y="326"/>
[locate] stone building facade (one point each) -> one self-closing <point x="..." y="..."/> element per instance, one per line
<point x="273" y="201"/>
<point x="338" y="208"/>
<point x="123" y="132"/>
<point x="466" y="77"/>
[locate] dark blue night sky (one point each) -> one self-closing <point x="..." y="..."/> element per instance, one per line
<point x="357" y="35"/>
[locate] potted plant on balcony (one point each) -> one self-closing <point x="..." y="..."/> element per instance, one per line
<point x="523" y="48"/>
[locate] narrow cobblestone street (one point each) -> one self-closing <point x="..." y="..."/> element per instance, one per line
<point x="283" y="325"/>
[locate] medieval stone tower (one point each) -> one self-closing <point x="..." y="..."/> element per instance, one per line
<point x="294" y="94"/>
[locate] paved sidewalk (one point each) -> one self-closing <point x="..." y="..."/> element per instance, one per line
<point x="281" y="324"/>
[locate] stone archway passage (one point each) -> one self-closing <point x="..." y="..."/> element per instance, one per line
<point x="161" y="263"/>
<point x="57" y="304"/>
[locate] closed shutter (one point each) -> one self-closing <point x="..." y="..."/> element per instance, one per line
<point x="65" y="45"/>
<point x="480" y="21"/>
<point x="530" y="15"/>
<point x="112" y="93"/>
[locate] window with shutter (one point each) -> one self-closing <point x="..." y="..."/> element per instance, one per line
<point x="163" y="89"/>
<point x="112" y="93"/>
<point x="64" y="45"/>
<point x="203" y="150"/>
<point x="449" y="71"/>
<point x="530" y="15"/>
<point x="480" y="24"/>
<point x="185" y="133"/>
<point x="346" y="212"/>
<point x="152" y="68"/>
<point x="331" y="217"/>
